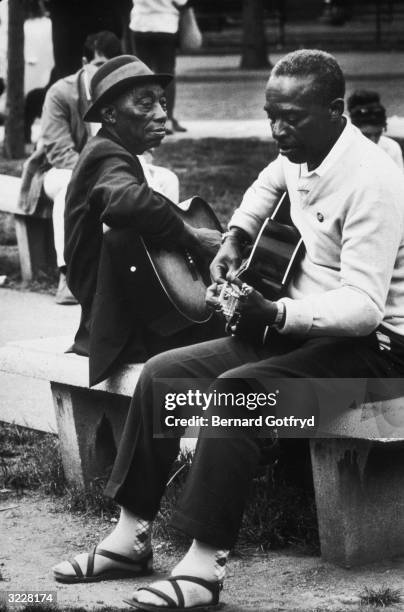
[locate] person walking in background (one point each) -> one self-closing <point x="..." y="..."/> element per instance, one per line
<point x="369" y="115"/>
<point x="155" y="25"/>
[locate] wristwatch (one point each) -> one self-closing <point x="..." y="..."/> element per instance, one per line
<point x="226" y="235"/>
<point x="278" y="322"/>
<point x="280" y="315"/>
<point x="240" y="235"/>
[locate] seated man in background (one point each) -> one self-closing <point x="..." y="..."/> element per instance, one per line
<point x="369" y="115"/>
<point x="63" y="136"/>
<point x="109" y="189"/>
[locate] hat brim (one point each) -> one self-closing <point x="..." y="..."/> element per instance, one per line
<point x="92" y="114"/>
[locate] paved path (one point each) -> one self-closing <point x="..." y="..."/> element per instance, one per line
<point x="217" y="99"/>
<point x="25" y="316"/>
<point x="254" y="128"/>
<point x="355" y="65"/>
<point x="213" y="89"/>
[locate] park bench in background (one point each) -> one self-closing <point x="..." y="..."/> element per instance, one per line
<point x="358" y="475"/>
<point x="34" y="233"/>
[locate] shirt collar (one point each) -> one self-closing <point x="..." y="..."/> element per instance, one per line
<point x="343" y="143"/>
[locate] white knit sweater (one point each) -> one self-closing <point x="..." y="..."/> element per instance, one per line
<point x="350" y="214"/>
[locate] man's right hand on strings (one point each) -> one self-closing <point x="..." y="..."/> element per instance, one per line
<point x="230" y="255"/>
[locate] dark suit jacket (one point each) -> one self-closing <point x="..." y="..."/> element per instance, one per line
<point x="108" y="186"/>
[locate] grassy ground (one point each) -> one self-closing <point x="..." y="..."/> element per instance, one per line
<point x="219" y="170"/>
<point x="42" y="530"/>
<point x="281" y="511"/>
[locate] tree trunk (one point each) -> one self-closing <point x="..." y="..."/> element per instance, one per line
<point x="14" y="124"/>
<point x="74" y="20"/>
<point x="254" y="49"/>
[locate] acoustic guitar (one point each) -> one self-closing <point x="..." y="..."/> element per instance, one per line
<point x="175" y="279"/>
<point x="268" y="267"/>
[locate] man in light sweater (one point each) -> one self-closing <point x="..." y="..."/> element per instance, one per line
<point x="343" y="317"/>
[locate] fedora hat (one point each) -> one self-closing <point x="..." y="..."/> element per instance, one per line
<point x="116" y="76"/>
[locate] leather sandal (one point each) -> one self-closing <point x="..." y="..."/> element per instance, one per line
<point x="139" y="567"/>
<point x="178" y="606"/>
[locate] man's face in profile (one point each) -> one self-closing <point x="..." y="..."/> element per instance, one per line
<point x="301" y="124"/>
<point x="141" y="117"/>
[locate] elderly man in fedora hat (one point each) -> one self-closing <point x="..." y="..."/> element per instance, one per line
<point x="109" y="189"/>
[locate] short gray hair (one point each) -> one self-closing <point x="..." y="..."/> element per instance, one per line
<point x="329" y="82"/>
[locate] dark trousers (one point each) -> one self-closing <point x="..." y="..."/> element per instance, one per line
<point x="158" y="50"/>
<point x="214" y="496"/>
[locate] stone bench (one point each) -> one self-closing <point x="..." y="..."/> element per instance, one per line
<point x="358" y="474"/>
<point x="34" y="233"/>
<point x="89" y="421"/>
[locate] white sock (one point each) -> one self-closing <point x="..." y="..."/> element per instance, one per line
<point x="203" y="561"/>
<point x="131" y="536"/>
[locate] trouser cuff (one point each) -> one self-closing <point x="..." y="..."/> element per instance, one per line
<point x="112" y="490"/>
<point x="202" y="532"/>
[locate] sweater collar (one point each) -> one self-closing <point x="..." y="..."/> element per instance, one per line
<point x="341" y="145"/>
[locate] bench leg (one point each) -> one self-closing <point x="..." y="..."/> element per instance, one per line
<point x="89" y="424"/>
<point x="359" y="487"/>
<point x="35" y="245"/>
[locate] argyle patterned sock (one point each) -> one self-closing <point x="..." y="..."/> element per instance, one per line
<point x="142" y="537"/>
<point x="203" y="561"/>
<point x="220" y="564"/>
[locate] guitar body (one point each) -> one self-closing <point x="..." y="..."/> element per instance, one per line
<point x="268" y="267"/>
<point x="277" y="249"/>
<point x="176" y="280"/>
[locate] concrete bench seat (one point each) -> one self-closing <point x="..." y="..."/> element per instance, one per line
<point x="89" y="421"/>
<point x="358" y="474"/>
<point x="34" y="233"/>
<point x="47" y="359"/>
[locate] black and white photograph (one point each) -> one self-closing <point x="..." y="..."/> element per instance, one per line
<point x="201" y="305"/>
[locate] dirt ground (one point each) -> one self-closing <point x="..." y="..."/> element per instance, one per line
<point x="36" y="534"/>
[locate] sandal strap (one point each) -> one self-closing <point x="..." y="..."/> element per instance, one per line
<point x="90" y="563"/>
<point x="172" y="604"/>
<point x="76" y="568"/>
<point x="110" y="555"/>
<point x="178" y="592"/>
<point x="121" y="559"/>
<point x="212" y="587"/>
